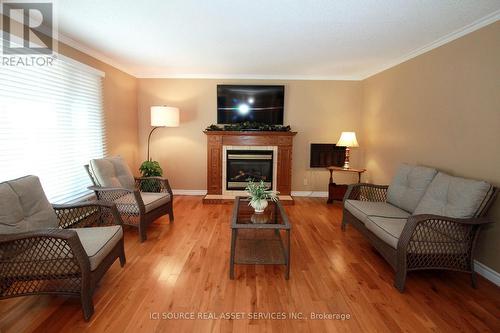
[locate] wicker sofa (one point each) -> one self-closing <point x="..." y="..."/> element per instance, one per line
<point x="424" y="220"/>
<point x="140" y="201"/>
<point x="59" y="249"/>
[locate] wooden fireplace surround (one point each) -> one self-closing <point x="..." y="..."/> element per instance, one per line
<point x="217" y="139"/>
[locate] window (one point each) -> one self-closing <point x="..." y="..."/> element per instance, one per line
<point x="51" y="124"/>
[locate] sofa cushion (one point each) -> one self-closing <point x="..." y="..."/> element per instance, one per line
<point x="98" y="242"/>
<point x="388" y="229"/>
<point x="454" y="197"/>
<point x="112" y="172"/>
<point x="24" y="206"/>
<point x="151" y="201"/>
<point x="409" y="185"/>
<point x="362" y="209"/>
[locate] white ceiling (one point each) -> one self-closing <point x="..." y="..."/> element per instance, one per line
<point x="289" y="39"/>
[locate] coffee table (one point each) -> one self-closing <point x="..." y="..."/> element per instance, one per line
<point x="259" y="239"/>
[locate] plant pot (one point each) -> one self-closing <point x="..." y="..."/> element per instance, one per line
<point x="260" y="218"/>
<point x="259" y="205"/>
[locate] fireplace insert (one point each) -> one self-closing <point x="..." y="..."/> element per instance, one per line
<point x="245" y="165"/>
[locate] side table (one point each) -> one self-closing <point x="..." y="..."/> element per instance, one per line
<point x="337" y="191"/>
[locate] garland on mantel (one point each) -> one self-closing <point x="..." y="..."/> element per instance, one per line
<point x="249" y="126"/>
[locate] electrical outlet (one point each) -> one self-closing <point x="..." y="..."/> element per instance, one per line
<point x="306" y="182"/>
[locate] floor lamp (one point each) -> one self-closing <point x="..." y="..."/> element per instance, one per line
<point x="163" y="116"/>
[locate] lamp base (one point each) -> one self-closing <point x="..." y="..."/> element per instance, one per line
<point x="346" y="161"/>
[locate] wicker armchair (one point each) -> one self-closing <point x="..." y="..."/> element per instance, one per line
<point x="426" y="241"/>
<point x="63" y="249"/>
<point x="140" y="201"/>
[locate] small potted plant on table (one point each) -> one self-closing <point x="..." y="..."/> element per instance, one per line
<point x="259" y="193"/>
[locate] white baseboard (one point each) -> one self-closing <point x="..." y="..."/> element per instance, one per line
<point x="313" y="194"/>
<point x="487" y="272"/>
<point x="189" y="192"/>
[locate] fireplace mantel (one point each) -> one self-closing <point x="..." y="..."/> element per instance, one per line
<point x="217" y="139"/>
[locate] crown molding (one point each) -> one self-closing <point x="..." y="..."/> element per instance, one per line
<point x="247" y="77"/>
<point x="62" y="38"/>
<point x="488" y="19"/>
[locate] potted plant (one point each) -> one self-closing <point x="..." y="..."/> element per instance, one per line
<point x="259" y="193"/>
<point x="150" y="169"/>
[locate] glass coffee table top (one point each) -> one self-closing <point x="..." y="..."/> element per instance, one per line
<point x="273" y="217"/>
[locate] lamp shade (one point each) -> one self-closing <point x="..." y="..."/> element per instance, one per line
<point x="348" y="139"/>
<point x="164" y="116"/>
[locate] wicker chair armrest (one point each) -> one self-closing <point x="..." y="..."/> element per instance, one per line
<point x="415" y="219"/>
<point x="52" y="233"/>
<point x="86" y="214"/>
<point x="153" y="184"/>
<point x="106" y="189"/>
<point x="430" y="228"/>
<point x="45" y="245"/>
<point x="152" y="177"/>
<point x="366" y="192"/>
<point x="84" y="204"/>
<point x="126" y="196"/>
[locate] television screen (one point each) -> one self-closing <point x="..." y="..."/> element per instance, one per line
<point x="261" y="104"/>
<point x="324" y="155"/>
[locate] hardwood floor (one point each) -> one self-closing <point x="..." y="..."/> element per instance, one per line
<point x="184" y="268"/>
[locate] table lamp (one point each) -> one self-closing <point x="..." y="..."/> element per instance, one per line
<point x="163" y="116"/>
<point x="347" y="140"/>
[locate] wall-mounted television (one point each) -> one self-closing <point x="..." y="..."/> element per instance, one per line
<point x="324" y="155"/>
<point x="261" y="104"/>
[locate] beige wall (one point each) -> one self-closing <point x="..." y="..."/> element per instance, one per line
<point x="120" y="106"/>
<point x="317" y="110"/>
<point x="441" y="109"/>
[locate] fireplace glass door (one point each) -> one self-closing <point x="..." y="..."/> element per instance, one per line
<point x="244" y="165"/>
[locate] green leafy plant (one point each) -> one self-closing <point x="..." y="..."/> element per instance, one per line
<point x="151" y="169"/>
<point x="259" y="191"/>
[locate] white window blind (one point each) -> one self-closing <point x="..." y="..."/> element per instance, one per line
<point x="51" y="124"/>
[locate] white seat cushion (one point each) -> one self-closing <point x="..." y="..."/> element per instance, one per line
<point x="98" y="242"/>
<point x="112" y="172"/>
<point x="409" y="185"/>
<point x="151" y="201"/>
<point x="154" y="200"/>
<point x="388" y="229"/>
<point x="362" y="209"/>
<point x="454" y="197"/>
<point x="24" y="206"/>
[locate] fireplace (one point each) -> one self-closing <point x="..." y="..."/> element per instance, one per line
<point x="275" y="145"/>
<point x="244" y="165"/>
